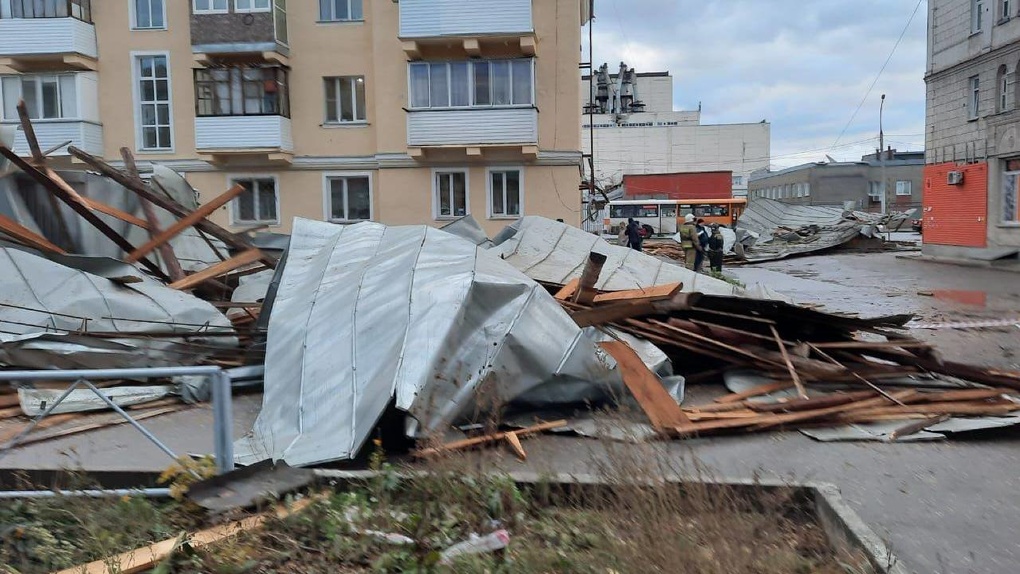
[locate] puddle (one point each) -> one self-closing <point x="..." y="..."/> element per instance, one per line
<point x="964" y="297"/>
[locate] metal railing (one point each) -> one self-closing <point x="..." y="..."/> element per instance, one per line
<point x="78" y="9"/>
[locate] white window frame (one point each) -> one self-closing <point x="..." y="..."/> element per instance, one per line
<point x="471" y="85"/>
<point x="1004" y="220"/>
<point x="137" y="102"/>
<point x="133" y="16"/>
<point x="1005" y="12"/>
<point x="60" y="100"/>
<point x="904" y="188"/>
<point x="253" y="9"/>
<point x="211" y="10"/>
<point x="435" y="192"/>
<point x="354" y="102"/>
<point x="520" y="192"/>
<point x="232" y="180"/>
<point x="327" y="196"/>
<point x="977" y="16"/>
<point x="973" y="97"/>
<point x="334" y="20"/>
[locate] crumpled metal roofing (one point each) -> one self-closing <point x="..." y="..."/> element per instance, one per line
<point x="368" y="314"/>
<point x="48" y="309"/>
<point x="555" y="252"/>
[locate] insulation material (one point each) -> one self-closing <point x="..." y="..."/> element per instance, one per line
<point x="554" y="252"/>
<point x="368" y="314"/>
<point x="47" y="311"/>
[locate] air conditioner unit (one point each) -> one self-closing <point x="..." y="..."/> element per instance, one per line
<point x="955" y="178"/>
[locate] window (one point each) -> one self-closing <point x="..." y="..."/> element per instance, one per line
<point x="477" y="83"/>
<point x="348" y="198"/>
<point x="977" y="8"/>
<point x="47" y="97"/>
<point x="807" y="190"/>
<point x="148" y="15"/>
<point x="903" y="188"/>
<point x="974" y="101"/>
<point x="242" y="91"/>
<point x="875" y="190"/>
<point x="345" y="99"/>
<point x="1002" y="77"/>
<point x="211" y="6"/>
<point x="450" y="189"/>
<point x="1010" y="193"/>
<point x="505" y="193"/>
<point x="1004" y="12"/>
<point x="738" y="180"/>
<point x="251" y="6"/>
<point x="258" y="203"/>
<point x="340" y="10"/>
<point x="79" y="9"/>
<point x="153" y="76"/>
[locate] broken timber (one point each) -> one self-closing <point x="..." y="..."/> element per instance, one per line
<point x="660" y="408"/>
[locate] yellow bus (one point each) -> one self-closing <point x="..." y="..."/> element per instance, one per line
<point x="665" y="216"/>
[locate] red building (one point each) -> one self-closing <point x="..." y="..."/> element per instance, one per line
<point x="689" y="185"/>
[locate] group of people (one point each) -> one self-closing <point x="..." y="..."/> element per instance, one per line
<point x="700" y="241"/>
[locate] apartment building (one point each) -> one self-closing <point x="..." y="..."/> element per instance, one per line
<point x="409" y="112"/>
<point x="972" y="171"/>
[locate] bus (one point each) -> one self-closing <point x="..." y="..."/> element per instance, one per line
<point x="665" y="216"/>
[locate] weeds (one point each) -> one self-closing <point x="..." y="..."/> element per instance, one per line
<point x="724" y="277"/>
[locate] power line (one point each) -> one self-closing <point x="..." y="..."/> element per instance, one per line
<point x="887" y="60"/>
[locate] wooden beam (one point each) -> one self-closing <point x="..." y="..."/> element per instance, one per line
<point x="657" y="293"/>
<point x="659" y="406"/>
<point x="194" y="217"/>
<point x="566" y="293"/>
<point x="755" y="392"/>
<point x="27" y="236"/>
<point x="115" y="213"/>
<point x="221" y="268"/>
<point x="585" y="294"/>
<point x="874" y="387"/>
<point x="515" y="445"/>
<point x="489" y="438"/>
<point x="237" y="242"/>
<point x="82" y="210"/>
<point x="789" y="364"/>
<point x="26" y="126"/>
<point x="166" y="252"/>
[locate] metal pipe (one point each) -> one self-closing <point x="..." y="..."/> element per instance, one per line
<point x="223" y="423"/>
<point x="130" y="420"/>
<point x="138" y="373"/>
<point x="114" y="493"/>
<point x="31" y="426"/>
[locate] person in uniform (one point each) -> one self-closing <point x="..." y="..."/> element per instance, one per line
<point x="689" y="241"/>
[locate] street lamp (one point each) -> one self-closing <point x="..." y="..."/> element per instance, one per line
<point x="881" y="152"/>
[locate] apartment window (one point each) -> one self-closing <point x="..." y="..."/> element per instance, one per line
<point x="345" y="99"/>
<point x="153" y="75"/>
<point x="738" y="180"/>
<point x="80" y="9"/>
<point x="148" y="15"/>
<point x="259" y="203"/>
<point x="977" y="9"/>
<point x="807" y="190"/>
<point x="1004" y="10"/>
<point x="340" y="10"/>
<point x="505" y="193"/>
<point x="47" y="96"/>
<point x="349" y="198"/>
<point x="476" y="83"/>
<point x="242" y="91"/>
<point x="903" y="188"/>
<point x="875" y="190"/>
<point x="251" y="6"/>
<point x="974" y="99"/>
<point x="1002" y="81"/>
<point x="451" y="193"/>
<point x="211" y="6"/>
<point x="1011" y="193"/>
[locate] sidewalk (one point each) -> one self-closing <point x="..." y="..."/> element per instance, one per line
<point x="1011" y="265"/>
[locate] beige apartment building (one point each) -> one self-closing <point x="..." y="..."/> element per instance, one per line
<point x="409" y="112"/>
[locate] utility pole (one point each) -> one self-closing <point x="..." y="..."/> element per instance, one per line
<point x="881" y="154"/>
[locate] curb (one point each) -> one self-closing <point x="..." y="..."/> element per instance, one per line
<point x="975" y="263"/>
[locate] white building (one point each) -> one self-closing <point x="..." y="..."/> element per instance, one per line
<point x="661" y="140"/>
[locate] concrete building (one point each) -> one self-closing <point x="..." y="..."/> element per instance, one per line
<point x="858" y="182"/>
<point x="972" y="176"/>
<point x="343" y="110"/>
<point x="653" y="138"/>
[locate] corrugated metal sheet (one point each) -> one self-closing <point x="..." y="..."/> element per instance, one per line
<point x="431" y="18"/>
<point x="86" y="135"/>
<point x="243" y="132"/>
<point x="47" y="36"/>
<point x="956" y="214"/>
<point x="468" y="127"/>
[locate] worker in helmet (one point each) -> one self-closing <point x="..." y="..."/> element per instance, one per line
<point x="689" y="241"/>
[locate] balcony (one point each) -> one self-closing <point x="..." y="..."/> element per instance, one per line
<point x="473" y="129"/>
<point x="52" y="133"/>
<point x="37" y="34"/>
<point x="432" y="23"/>
<point x="230" y="34"/>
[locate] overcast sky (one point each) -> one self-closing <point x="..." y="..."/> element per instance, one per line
<point x="803" y="65"/>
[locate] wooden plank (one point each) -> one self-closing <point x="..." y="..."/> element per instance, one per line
<point x="221" y="268"/>
<point x="871" y="345"/>
<point x="232" y="240"/>
<point x="789" y="364"/>
<point x="709" y="341"/>
<point x="657" y="293"/>
<point x="970" y="409"/>
<point x="612" y="313"/>
<point x="755" y="392"/>
<point x="874" y="387"/>
<point x="811" y="402"/>
<point x="115" y="213"/>
<point x="166" y="252"/>
<point x="143" y="559"/>
<point x="27" y="236"/>
<point x="658" y="405"/>
<point x="191" y="219"/>
<point x="489" y="438"/>
<point x="586" y="291"/>
<point x="804" y="416"/>
<point x="515" y="445"/>
<point x="916" y="427"/>
<point x="32" y="439"/>
<point x="26" y="126"/>
<point x="567" y="291"/>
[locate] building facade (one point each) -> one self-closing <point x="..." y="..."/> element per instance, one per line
<point x="859" y="184"/>
<point x="696" y="185"/>
<point x="972" y="172"/>
<point x="414" y="112"/>
<point x="653" y="138"/>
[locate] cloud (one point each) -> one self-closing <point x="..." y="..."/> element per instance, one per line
<point x="802" y="65"/>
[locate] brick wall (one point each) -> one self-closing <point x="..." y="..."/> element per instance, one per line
<point x="956" y="215"/>
<point x="702" y="185"/>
